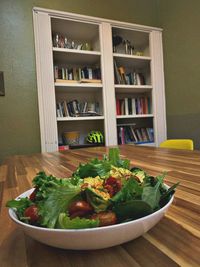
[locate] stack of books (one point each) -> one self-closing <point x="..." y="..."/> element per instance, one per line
<point x="133" y="106"/>
<point x="75" y="74"/>
<point x="129" y="134"/>
<point x="126" y="77"/>
<point x="75" y="108"/>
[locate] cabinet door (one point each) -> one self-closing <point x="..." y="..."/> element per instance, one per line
<point x="45" y="82"/>
<point x="158" y="94"/>
<point x="133" y="85"/>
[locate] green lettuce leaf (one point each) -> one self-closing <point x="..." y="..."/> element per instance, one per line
<point x="152" y="194"/>
<point x="93" y="169"/>
<point x="96" y="200"/>
<point x="64" y="222"/>
<point x="56" y="203"/>
<point x="96" y="167"/>
<point x="165" y="197"/>
<point x="47" y="183"/>
<point x="132" y="209"/>
<point x="20" y="205"/>
<point x="130" y="190"/>
<point x="115" y="160"/>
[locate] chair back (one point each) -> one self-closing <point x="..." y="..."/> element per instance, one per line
<point x="178" y="144"/>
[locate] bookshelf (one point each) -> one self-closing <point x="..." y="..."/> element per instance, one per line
<point x="85" y="66"/>
<point x="134" y="86"/>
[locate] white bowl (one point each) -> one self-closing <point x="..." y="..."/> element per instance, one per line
<point x="93" y="238"/>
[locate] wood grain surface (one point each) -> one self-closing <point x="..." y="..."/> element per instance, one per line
<point x="174" y="241"/>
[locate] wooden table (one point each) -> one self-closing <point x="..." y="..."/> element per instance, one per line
<point x="174" y="241"/>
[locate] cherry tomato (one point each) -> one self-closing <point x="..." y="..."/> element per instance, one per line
<point x="32" y="213"/>
<point x="33" y="195"/>
<point x="114" y="183"/>
<point x="79" y="208"/>
<point x="105" y="218"/>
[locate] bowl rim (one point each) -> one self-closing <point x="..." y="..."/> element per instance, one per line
<point x="13" y="216"/>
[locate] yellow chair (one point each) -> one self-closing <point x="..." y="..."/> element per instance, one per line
<point x="178" y="144"/>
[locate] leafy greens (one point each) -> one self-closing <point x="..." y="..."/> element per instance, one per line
<point x="128" y="193"/>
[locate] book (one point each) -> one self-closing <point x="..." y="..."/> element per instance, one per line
<point x="122" y="106"/>
<point x="122" y="75"/>
<point x="141" y="78"/>
<point x="63" y="74"/>
<point x="58" y="113"/>
<point x="144" y="134"/>
<point x="133" y="106"/>
<point x="90" y="76"/>
<point x="118" y="110"/>
<point x="126" y="106"/>
<point x="65" y="109"/>
<point x="134" y="134"/>
<point x="139" y="135"/>
<point x="150" y="133"/>
<point x="130" y="138"/>
<point x="116" y="73"/>
<point x="60" y="109"/>
<point x="130" y="106"/>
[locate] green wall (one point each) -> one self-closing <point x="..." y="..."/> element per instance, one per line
<point x="19" y="118"/>
<point x="180" y="20"/>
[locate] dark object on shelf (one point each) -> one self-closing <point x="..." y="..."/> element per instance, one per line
<point x="128" y="47"/>
<point x="117" y="40"/>
<point x="87" y="114"/>
<point x="84" y="146"/>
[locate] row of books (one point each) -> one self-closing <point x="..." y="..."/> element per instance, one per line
<point x="77" y="74"/>
<point x="75" y="108"/>
<point x="129" y="78"/>
<point x="133" y="106"/>
<point x="130" y="134"/>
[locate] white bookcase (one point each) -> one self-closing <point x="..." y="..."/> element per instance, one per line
<point x="69" y="47"/>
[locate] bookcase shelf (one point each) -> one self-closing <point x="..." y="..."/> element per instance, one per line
<point x="91" y="118"/>
<point x="135" y="116"/>
<point x="76" y="51"/>
<point x="118" y="55"/>
<point x="72" y="47"/>
<point x="79" y="85"/>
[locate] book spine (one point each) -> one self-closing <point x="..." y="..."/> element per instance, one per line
<point x="63" y="73"/>
<point x="130" y="112"/>
<point x="133" y="106"/>
<point x="126" y="106"/>
<point x="118" y="111"/>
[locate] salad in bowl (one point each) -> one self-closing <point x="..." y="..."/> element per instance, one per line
<point x="99" y="193"/>
<point x="104" y="203"/>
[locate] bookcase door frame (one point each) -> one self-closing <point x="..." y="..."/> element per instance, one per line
<point x="45" y="82"/>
